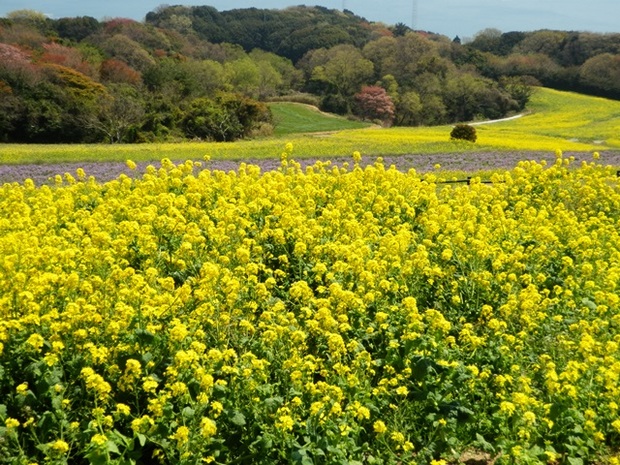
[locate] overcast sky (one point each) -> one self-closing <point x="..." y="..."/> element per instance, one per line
<point x="449" y="17"/>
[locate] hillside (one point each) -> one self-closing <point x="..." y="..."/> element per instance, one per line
<point x="194" y="73"/>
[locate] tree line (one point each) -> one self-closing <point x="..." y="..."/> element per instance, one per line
<point x="583" y="62"/>
<point x="197" y="73"/>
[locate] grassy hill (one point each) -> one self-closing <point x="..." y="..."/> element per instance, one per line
<point x="563" y="117"/>
<point x="297" y="118"/>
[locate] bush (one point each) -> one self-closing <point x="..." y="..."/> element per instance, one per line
<point x="463" y="132"/>
<point x="335" y="103"/>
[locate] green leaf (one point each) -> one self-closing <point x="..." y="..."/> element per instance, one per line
<point x="127" y="442"/>
<point x="47" y="421"/>
<point x="536" y="451"/>
<point x="112" y="447"/>
<point x="588" y="303"/>
<point x="96" y="458"/>
<point x="219" y="390"/>
<point x="486" y="446"/>
<point x="2" y="411"/>
<point x="274" y="402"/>
<point x="238" y="419"/>
<point x="126" y="462"/>
<point x="575" y="461"/>
<point x="188" y="412"/>
<point x="141" y="439"/>
<point x="144" y="336"/>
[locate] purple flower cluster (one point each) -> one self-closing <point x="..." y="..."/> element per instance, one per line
<point x="468" y="162"/>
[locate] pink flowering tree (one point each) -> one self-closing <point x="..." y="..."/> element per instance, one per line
<point x="373" y="103"/>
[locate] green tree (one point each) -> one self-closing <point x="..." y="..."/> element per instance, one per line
<point x="382" y="53"/>
<point x="468" y="96"/>
<point x="462" y="97"/>
<point x="120" y="114"/>
<point x="288" y="77"/>
<point x="518" y="88"/>
<point x="400" y="29"/>
<point x="408" y="111"/>
<point x="204" y="119"/>
<point x="344" y="71"/>
<point x="53" y="106"/>
<point x="404" y="57"/>
<point x="123" y="48"/>
<point x="601" y="74"/>
<point x="76" y="29"/>
<point x="433" y="110"/>
<point x="225" y="118"/>
<point x="32" y="18"/>
<point x="548" y="43"/>
<point x="244" y="75"/>
<point x="9" y="107"/>
<point x="250" y="113"/>
<point x="487" y="40"/>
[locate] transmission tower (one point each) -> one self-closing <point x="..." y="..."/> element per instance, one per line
<point x="414" y="14"/>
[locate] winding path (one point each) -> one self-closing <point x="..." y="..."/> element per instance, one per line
<point x="491" y="121"/>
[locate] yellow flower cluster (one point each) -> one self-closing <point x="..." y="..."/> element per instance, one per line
<point x="203" y="314"/>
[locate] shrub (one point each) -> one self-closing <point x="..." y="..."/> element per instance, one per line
<point x="463" y="132"/>
<point x="335" y="103"/>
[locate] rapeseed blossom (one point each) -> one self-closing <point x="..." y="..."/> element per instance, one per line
<point x="195" y="315"/>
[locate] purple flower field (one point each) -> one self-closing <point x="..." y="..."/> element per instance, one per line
<point x="468" y="162"/>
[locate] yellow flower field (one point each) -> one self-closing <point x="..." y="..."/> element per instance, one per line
<point x="565" y="120"/>
<point x="326" y="316"/>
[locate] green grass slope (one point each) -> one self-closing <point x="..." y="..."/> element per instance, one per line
<point x="297" y="118"/>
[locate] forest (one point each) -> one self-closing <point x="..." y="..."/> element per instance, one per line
<point x="195" y="73"/>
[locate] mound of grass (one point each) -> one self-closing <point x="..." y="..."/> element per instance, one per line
<point x="296" y="118"/>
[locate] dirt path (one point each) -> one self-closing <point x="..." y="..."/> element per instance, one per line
<point x="492" y="121"/>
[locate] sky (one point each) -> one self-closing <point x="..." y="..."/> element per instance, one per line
<point x="449" y="17"/>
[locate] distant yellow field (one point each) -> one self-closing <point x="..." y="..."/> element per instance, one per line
<point x="555" y="120"/>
